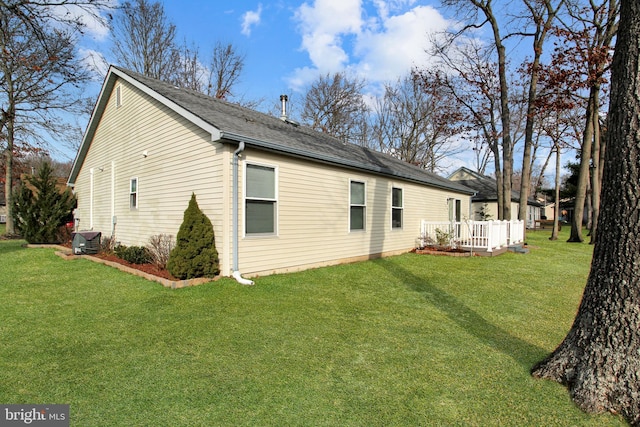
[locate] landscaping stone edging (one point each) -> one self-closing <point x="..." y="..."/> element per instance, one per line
<point x="65" y="253"/>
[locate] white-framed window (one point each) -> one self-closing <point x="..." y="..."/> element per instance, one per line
<point x="133" y="193"/>
<point x="118" y="96"/>
<point x="261" y="199"/>
<point x="357" y="205"/>
<point x="397" y="207"/>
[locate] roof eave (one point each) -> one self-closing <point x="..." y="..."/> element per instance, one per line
<point x="232" y="137"/>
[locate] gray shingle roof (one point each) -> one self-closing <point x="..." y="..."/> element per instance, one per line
<point x="486" y="188"/>
<point x="263" y="131"/>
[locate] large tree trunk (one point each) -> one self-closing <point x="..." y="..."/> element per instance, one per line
<point x="599" y="360"/>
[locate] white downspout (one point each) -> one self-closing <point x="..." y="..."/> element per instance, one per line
<point x="236" y="273"/>
<point x="91" y="183"/>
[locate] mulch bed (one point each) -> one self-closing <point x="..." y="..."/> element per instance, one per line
<point x="146" y="268"/>
<point x="149" y="271"/>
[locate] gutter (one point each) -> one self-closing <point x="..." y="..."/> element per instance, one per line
<point x="236" y="273"/>
<point x="333" y="160"/>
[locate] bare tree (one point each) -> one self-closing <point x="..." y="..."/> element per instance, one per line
<point x="541" y="14"/>
<point x="188" y="72"/>
<point x="416" y="123"/>
<point x="599" y="359"/>
<point x="40" y="75"/>
<point x="144" y="40"/>
<point x="224" y="71"/>
<point x="589" y="38"/>
<point x="334" y="104"/>
<point x="468" y="77"/>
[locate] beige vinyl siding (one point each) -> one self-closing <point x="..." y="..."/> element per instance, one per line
<point x="313" y="217"/>
<point x="178" y="159"/>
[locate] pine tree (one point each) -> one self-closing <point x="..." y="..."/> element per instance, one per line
<point x="39" y="209"/>
<point x="195" y="254"/>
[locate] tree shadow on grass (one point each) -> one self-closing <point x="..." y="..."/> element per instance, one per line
<point x="10" y="245"/>
<point x="518" y="349"/>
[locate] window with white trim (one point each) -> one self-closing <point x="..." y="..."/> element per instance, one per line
<point x="133" y="193"/>
<point x="260" y="199"/>
<point x="357" y="206"/>
<point x="397" y="207"/>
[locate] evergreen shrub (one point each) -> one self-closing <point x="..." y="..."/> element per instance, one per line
<point x="195" y="253"/>
<point x="40" y="209"/>
<point x="133" y="254"/>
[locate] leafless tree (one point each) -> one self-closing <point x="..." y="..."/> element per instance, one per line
<point x="416" y="123"/>
<point x="468" y="77"/>
<point x="144" y="40"/>
<point x="479" y="13"/>
<point x="225" y="70"/>
<point x="588" y="40"/>
<point x="539" y="19"/>
<point x="334" y="104"/>
<point x="189" y="72"/>
<point x="40" y="74"/>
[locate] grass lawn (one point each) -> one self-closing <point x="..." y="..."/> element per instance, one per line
<point x="402" y="341"/>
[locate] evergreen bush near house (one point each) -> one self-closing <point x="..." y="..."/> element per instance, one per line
<point x="40" y="209"/>
<point x="195" y="254"/>
<point x="133" y="254"/>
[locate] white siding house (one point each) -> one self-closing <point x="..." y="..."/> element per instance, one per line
<point x="302" y="199"/>
<point x="485" y="200"/>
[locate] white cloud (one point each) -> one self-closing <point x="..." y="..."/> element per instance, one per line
<point x="399" y="45"/>
<point x="250" y="19"/>
<point x="89" y="17"/>
<point x="95" y="62"/>
<point x="379" y="43"/>
<point x="323" y="27"/>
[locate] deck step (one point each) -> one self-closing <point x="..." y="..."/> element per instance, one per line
<point x="519" y="249"/>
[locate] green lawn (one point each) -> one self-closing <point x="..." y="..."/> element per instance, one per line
<point x="403" y="341"/>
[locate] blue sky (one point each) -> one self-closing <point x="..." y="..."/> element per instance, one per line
<point x="288" y="43"/>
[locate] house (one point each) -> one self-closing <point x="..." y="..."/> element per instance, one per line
<point x="485" y="199"/>
<point x="281" y="196"/>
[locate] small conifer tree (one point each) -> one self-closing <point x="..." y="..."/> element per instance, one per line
<point x="40" y="209"/>
<point x="195" y="253"/>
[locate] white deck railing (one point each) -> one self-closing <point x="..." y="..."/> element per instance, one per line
<point x="480" y="235"/>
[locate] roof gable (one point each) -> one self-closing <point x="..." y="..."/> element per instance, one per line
<point x="484" y="186"/>
<point x="231" y="123"/>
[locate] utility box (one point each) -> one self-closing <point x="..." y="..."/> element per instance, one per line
<point x="85" y="242"/>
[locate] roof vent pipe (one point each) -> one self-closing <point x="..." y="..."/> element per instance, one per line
<point x="284" y="99"/>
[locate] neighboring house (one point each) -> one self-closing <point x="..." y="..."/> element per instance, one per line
<point x="485" y="199"/>
<point x="281" y="197"/>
